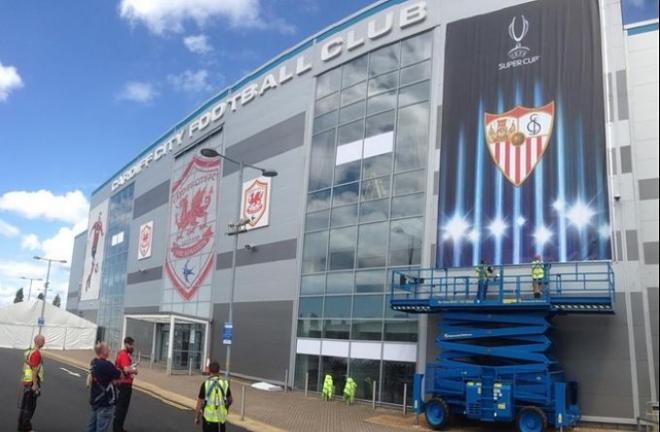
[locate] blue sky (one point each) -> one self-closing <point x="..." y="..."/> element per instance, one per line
<point x="86" y="85"/>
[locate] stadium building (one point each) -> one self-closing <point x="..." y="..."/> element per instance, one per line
<point x="411" y="134"/>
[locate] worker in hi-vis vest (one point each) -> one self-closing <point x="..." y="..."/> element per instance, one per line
<point x="483" y="272"/>
<point x="349" y="390"/>
<point x="213" y="401"/>
<point x="538" y="275"/>
<point x="32" y="379"/>
<point x="328" y="388"/>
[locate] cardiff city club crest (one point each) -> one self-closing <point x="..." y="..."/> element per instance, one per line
<point x="518" y="138"/>
<point x="190" y="253"/>
<point x="146" y="235"/>
<point x="255" y="201"/>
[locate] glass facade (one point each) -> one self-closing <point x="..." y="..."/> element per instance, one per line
<point x="365" y="206"/>
<point x="113" y="279"/>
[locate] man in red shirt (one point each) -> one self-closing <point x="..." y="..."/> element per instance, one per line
<point x="124" y="363"/>
<point x="33" y="375"/>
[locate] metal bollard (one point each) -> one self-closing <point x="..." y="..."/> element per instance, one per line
<point x="306" y="383"/>
<point x="373" y="395"/>
<point x="286" y="380"/>
<point x="405" y="399"/>
<point x="243" y="402"/>
<point x="189" y="367"/>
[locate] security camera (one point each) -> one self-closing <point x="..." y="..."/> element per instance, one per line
<point x="250" y="246"/>
<point x="617" y="196"/>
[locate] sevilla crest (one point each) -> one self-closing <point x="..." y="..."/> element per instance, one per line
<point x="518" y="138"/>
<point x="190" y="253"/>
<point x="255" y="201"/>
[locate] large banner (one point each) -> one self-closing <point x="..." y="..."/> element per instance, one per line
<point x="255" y="202"/>
<point x="193" y="209"/>
<point x="93" y="267"/>
<point x="523" y="154"/>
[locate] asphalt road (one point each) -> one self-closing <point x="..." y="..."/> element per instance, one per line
<point x="63" y="405"/>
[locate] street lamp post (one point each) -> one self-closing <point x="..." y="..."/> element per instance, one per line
<point x="235" y="229"/>
<point x="30" y="289"/>
<point x="43" y="303"/>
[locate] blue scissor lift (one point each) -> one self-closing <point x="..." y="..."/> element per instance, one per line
<point x="494" y="364"/>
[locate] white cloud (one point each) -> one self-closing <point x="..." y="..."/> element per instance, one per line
<point x="10" y="80"/>
<point x="60" y="246"/>
<point x="71" y="207"/>
<point x="137" y="91"/>
<point x="169" y="16"/>
<point x="30" y="242"/>
<point x="191" y="82"/>
<point x="198" y="44"/>
<point x="8" y="230"/>
<point x="12" y="270"/>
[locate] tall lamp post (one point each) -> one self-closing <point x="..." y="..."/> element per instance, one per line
<point x="43" y="303"/>
<point x="30" y="289"/>
<point x="235" y="229"/>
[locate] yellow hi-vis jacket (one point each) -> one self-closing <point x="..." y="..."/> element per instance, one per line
<point x="349" y="388"/>
<point x="215" y="402"/>
<point x="27" y="369"/>
<point x="328" y="386"/>
<point x="482" y="272"/>
<point x="538" y="272"/>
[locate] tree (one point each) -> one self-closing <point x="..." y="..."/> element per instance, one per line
<point x="19" y="296"/>
<point x="40" y="296"/>
<point x="57" y="301"/>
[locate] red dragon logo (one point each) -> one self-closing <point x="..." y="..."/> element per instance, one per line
<point x="189" y="215"/>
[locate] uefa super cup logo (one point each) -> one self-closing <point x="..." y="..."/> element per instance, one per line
<point x="519" y="50"/>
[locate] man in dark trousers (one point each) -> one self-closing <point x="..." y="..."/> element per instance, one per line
<point x="213" y="401"/>
<point x="124" y="363"/>
<point x="33" y="377"/>
<point x="103" y="394"/>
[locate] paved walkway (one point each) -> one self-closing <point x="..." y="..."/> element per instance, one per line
<point x="276" y="411"/>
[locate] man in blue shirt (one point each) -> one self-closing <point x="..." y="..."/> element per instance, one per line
<point x="103" y="394"/>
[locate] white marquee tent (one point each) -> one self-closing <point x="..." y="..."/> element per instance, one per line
<point x="62" y="329"/>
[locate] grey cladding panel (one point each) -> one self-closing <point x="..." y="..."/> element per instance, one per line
<point x="648" y="189"/>
<point x="626" y="159"/>
<point x="146" y="275"/>
<point x="651" y="253"/>
<point x="622" y="94"/>
<point x="632" y="247"/>
<point x="269" y="252"/>
<point x="270" y="142"/>
<point x="151" y="199"/>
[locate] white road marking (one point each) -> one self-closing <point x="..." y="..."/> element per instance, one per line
<point x="70" y="373"/>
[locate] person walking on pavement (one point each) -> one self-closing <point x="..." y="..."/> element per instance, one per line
<point x="538" y="274"/>
<point x="328" y="388"/>
<point x="349" y="391"/>
<point x="103" y="394"/>
<point x="33" y="378"/>
<point x="124" y="363"/>
<point x="213" y="401"/>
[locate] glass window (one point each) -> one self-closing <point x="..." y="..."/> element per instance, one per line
<point x="342" y="248"/>
<point x="337" y="307"/>
<point x="418" y="72"/>
<point x="323" y="150"/>
<point x="336" y="329"/>
<point x="354" y="71"/>
<point x="365" y="373"/>
<point x="312" y="284"/>
<point x="367" y="330"/>
<point x="346" y="194"/>
<point x="372" y="211"/>
<point x="348" y="172"/>
<point x="414" y="93"/>
<point x="310" y="307"/>
<point x="406" y="242"/>
<point x="340" y="283"/>
<point x="416" y="49"/>
<point x="317" y="220"/>
<point x="409" y="182"/>
<point x="337" y="367"/>
<point x="395" y="374"/>
<point x="376" y="188"/>
<point x="318" y="200"/>
<point x="325" y="121"/>
<point x="309" y="328"/>
<point x="307" y="369"/>
<point x="367" y="281"/>
<point x="351" y="132"/>
<point x="351" y="112"/>
<point x="372" y="247"/>
<point x="383" y="83"/>
<point x="328" y="83"/>
<point x="353" y="94"/>
<point x="412" y="138"/>
<point x="384" y="59"/>
<point x="314" y="252"/>
<point x="368" y="306"/>
<point x="382" y="102"/>
<point x="376" y="166"/>
<point x="342" y="216"/>
<point x="380" y="124"/>
<point x="408" y="205"/>
<point x="401" y="330"/>
<point x="327" y="104"/>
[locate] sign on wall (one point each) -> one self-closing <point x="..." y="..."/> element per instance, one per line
<point x="193" y="209"/>
<point x="145" y="240"/>
<point x="523" y="154"/>
<point x="93" y="267"/>
<point x="255" y="202"/>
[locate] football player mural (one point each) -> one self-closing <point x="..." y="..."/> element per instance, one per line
<point x="523" y="155"/>
<point x="92" y="269"/>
